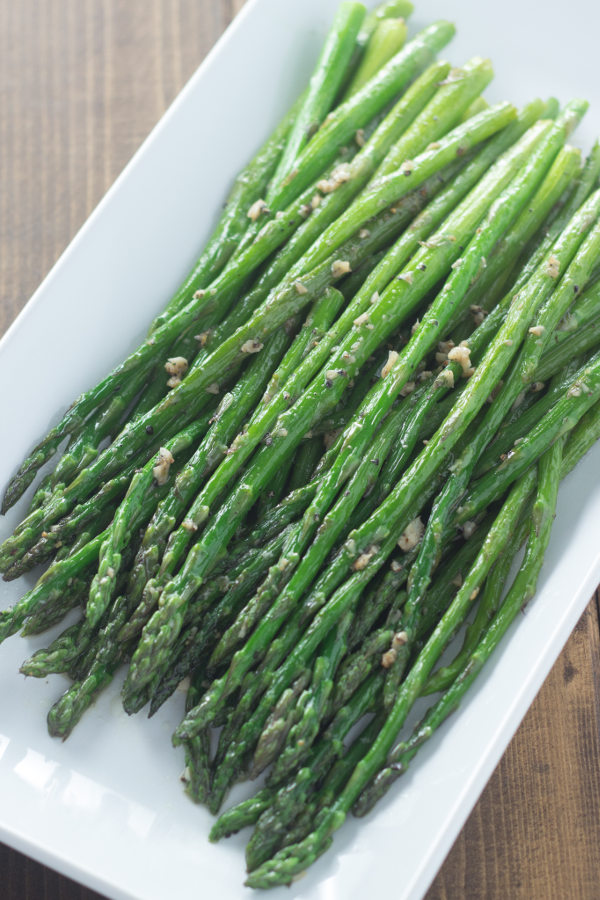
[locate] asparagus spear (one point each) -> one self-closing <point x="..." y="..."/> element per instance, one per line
<point x="189" y="398"/>
<point x="508" y="138"/>
<point x="443" y="678"/>
<point x="47" y="616"/>
<point x="323" y="205"/>
<point x="58" y="577"/>
<point x="248" y="656"/>
<point x="100" y="504"/>
<point x="229" y="416"/>
<point x="502" y="342"/>
<point x="441" y="112"/>
<point x="291" y="798"/>
<point x="532" y="260"/>
<point x="391" y="514"/>
<point x="421" y="229"/>
<point x="172" y="509"/>
<point x="295" y="858"/>
<point x="294" y="663"/>
<point x="357" y="441"/>
<point x="324" y="84"/>
<point x="520" y="593"/>
<point x="582" y="395"/>
<point x="308" y="560"/>
<point x="408" y="482"/>
<point x="389" y="9"/>
<point x="248" y="186"/>
<point x="247" y="812"/>
<point x="385" y="42"/>
<point x="360" y="109"/>
<point x="314" y="401"/>
<point x="305" y="461"/>
<point x="524" y="417"/>
<point x="575" y="345"/>
<point x="296" y="799"/>
<point x="520" y="375"/>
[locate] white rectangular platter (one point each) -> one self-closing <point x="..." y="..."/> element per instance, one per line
<point x="106" y="807"/>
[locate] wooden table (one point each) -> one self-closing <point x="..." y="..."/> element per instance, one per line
<point x="82" y="82"/>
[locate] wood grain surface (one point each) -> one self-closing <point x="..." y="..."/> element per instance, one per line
<point x="82" y="82"/>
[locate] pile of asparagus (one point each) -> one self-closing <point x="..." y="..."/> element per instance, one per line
<point x="377" y="373"/>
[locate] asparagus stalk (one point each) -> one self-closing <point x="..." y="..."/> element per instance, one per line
<point x="391" y="514"/>
<point x="475" y="171"/>
<point x="295" y="662"/>
<point x="81" y="517"/>
<point x="401" y="252"/>
<point x="305" y="462"/>
<point x="495" y="583"/>
<point x="578" y="344"/>
<point x="521" y="375"/>
<point x="295" y="858"/>
<point x="385" y="42"/>
<point x="314" y="331"/>
<point x="308" y="559"/>
<point x="189" y="398"/>
<point x="324" y="84"/>
<point x="390" y="9"/>
<point x="291" y="798"/>
<point x="313" y="403"/>
<point x="247" y="812"/>
<point x="57" y="579"/>
<point x="356" y="112"/>
<point x="229" y="416"/>
<point x="558" y="421"/>
<point x="356" y="443"/>
<point x="499" y="342"/>
<point x="248" y="186"/>
<point x="524" y="417"/>
<point x="521" y="591"/>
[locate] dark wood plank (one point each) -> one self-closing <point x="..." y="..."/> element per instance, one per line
<point x="81" y="84"/>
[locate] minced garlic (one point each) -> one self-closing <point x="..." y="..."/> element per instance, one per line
<point x="391" y="360"/>
<point x="340" y="174"/>
<point x="176" y="366"/>
<point x="252" y="346"/>
<point x="340" y="267"/>
<point x="389" y="658"/>
<point x="553" y="267"/>
<point x="462" y="355"/>
<point x="257" y="209"/>
<point x="468" y="529"/>
<point x="411" y="535"/>
<point x="364" y="558"/>
<point x="165" y="460"/>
